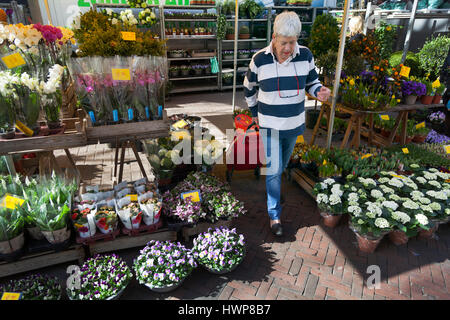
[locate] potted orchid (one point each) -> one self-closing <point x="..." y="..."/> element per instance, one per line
<point x="162" y="266"/>
<point x="51" y="98"/>
<point x="220" y="250"/>
<point x="411" y="90"/>
<point x="103" y="277"/>
<point x="35" y="287"/>
<point x="7" y="109"/>
<point x="329" y="200"/>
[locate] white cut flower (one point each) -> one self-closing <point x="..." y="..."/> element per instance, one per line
<point x="408" y="204"/>
<point x="334" y="199"/>
<point x="381" y="223"/>
<point x="447" y="211"/>
<point x="401" y="217"/>
<point x="423" y="220"/>
<point x="376" y="194"/>
<point x="355" y="210"/>
<point x="390" y="204"/>
<point x="322" y="198"/>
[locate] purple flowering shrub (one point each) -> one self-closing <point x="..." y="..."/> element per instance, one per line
<point x="219" y="249"/>
<point x="163" y="263"/>
<point x="101" y="277"/>
<point x="413" y="88"/>
<point x="436" y="138"/>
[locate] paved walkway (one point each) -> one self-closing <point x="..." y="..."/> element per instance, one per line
<point x="310" y="261"/>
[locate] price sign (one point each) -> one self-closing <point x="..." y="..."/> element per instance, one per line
<point x="366" y="156"/>
<point x="11" y="296"/>
<point x="11" y="202"/>
<point x="180" y="124"/>
<point x="128" y="36"/>
<point x="195" y="195"/>
<point x="384" y="117"/>
<point x="420" y="125"/>
<point x="13" y="60"/>
<point x="300" y="139"/>
<point x="436" y="84"/>
<point x="447" y="149"/>
<point x="133" y="197"/>
<point x="404" y="72"/>
<point x="27" y="131"/>
<point x="121" y="74"/>
<point x="324" y="162"/>
<point x="405" y="150"/>
<point x="397" y="176"/>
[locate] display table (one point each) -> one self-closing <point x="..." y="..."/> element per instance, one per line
<point x="357" y="118"/>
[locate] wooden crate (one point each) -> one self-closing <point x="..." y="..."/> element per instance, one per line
<point x="303" y="180"/>
<point x="125" y="242"/>
<point x="143" y="229"/>
<point x="42" y="260"/>
<point x="203" y="227"/>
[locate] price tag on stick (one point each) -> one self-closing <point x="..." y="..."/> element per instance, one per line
<point x="420" y="125"/>
<point x="195" y="195"/>
<point x="447" y="149"/>
<point x="121" y="74"/>
<point x="384" y="117"/>
<point x="404" y="71"/>
<point x="13" y="60"/>
<point x="128" y="36"/>
<point x="405" y="150"/>
<point x="300" y="139"/>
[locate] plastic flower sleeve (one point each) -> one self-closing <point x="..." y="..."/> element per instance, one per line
<point x="121" y="186"/>
<point x="124" y="214"/>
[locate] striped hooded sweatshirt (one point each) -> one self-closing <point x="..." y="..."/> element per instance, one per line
<point x="279" y="103"/>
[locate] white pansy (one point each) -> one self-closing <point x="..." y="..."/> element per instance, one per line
<point x="423" y="220"/>
<point x="381" y="223"/>
<point x="390" y="204"/>
<point x="401" y="217"/>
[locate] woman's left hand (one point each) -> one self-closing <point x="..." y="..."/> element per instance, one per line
<point x="323" y="94"/>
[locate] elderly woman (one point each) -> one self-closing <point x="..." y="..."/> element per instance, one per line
<point x="284" y="71"/>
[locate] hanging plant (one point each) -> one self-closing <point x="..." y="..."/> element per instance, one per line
<point x="221" y="26"/>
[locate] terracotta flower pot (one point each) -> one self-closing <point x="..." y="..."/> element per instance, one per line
<point x="398" y="237"/>
<point x="436" y="99"/>
<point x="230" y="36"/>
<point x="429" y="234"/>
<point x="419" y="139"/>
<point x="330" y="220"/>
<point x="244" y="36"/>
<point x="427" y="99"/>
<point x="410" y="99"/>
<point x="366" y="244"/>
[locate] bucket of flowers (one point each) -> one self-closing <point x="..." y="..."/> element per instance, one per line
<point x="103" y="277"/>
<point x="220" y="250"/>
<point x="129" y="213"/>
<point x="83" y="221"/>
<point x="106" y="218"/>
<point x="35" y="287"/>
<point x="162" y="266"/>
<point x="151" y="208"/>
<point x="329" y="198"/>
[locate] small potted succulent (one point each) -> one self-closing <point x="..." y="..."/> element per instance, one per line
<point x="35" y="287"/>
<point x="162" y="266"/>
<point x="103" y="277"/>
<point x="243" y="53"/>
<point x="329" y="200"/>
<point x="106" y="219"/>
<point x="411" y="90"/>
<point x="220" y="250"/>
<point x="228" y="54"/>
<point x="244" y="32"/>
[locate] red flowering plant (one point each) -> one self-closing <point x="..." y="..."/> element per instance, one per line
<point x="80" y="219"/>
<point x="106" y="219"/>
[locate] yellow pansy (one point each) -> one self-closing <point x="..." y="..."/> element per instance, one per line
<point x="352" y="82"/>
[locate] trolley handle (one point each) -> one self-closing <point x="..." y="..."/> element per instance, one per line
<point x="251" y="125"/>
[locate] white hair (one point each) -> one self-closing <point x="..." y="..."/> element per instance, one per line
<point x="287" y="24"/>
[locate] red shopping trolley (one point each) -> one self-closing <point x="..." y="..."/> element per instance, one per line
<point x="246" y="152"/>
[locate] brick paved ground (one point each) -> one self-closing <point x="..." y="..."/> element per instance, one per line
<point x="310" y="261"/>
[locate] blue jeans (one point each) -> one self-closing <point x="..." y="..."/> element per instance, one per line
<point x="278" y="151"/>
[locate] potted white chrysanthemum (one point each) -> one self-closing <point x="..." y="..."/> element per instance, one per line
<point x="329" y="197"/>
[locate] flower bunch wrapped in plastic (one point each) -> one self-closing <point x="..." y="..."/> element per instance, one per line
<point x="101" y="277"/>
<point x="163" y="263"/>
<point x="219" y="249"/>
<point x="35" y="287"/>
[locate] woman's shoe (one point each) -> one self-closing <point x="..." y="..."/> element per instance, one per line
<point x="277" y="229"/>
